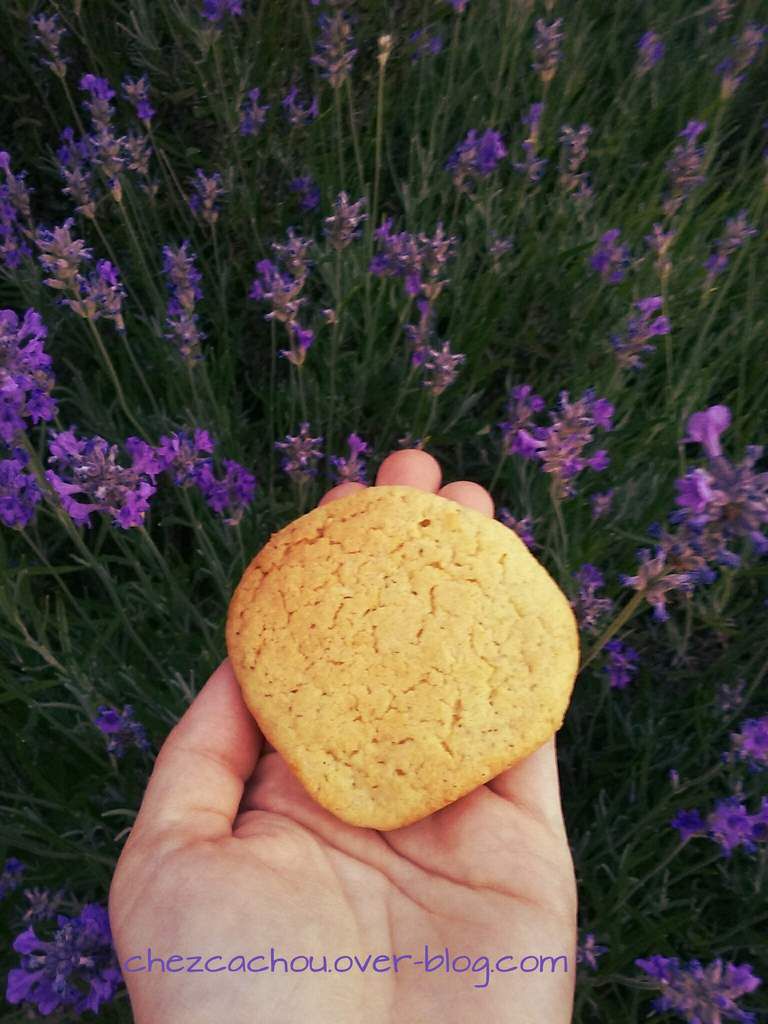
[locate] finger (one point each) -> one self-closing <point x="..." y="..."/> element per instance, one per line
<point x="410" y="467"/>
<point x="533" y="784"/>
<point x="469" y="494"/>
<point x="340" y="491"/>
<point x="200" y="771"/>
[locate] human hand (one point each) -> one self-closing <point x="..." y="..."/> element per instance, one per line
<point x="229" y="857"/>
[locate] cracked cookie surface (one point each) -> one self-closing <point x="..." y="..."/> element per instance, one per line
<point x="399" y="650"/>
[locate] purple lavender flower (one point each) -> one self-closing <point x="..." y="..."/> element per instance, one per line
<point x="440" y="367"/>
<point x="26" y="381"/>
<point x="650" y="49"/>
<point x="705" y="428"/>
<point x="19" y="492"/>
<point x="420" y="334"/>
<point x="299" y="113"/>
<point x="206" y="195"/>
<point x="700" y="994"/>
<point x="293" y="253"/>
<point x="230" y="495"/>
<point x="88" y="478"/>
<point x="418" y="259"/>
<point x="136" y="91"/>
<point x="10" y="876"/>
<point x="121" y="730"/>
<point x="252" y="116"/>
<point x="641" y="327"/>
<point x="98" y="106"/>
<point x="14" y="210"/>
<point x="475" y="157"/>
<point x="750" y="743"/>
<point x="601" y="504"/>
<point x="726" y="501"/>
<point x="459" y="6"/>
<point x="301" y="340"/>
<point x="16" y="191"/>
<point x="588" y="607"/>
<point x="42" y="904"/>
<point x="61" y="256"/>
<point x="731" y="825"/>
<point x="745" y="50"/>
<point x="688" y="824"/>
<point x="75" y="166"/>
<point x="137" y="155"/>
<point x="301" y="454"/>
<point x="522" y="527"/>
<point x="685" y="168"/>
<point x="621" y="664"/>
<point x="660" y="242"/>
<point x="183" y="282"/>
<point x="423" y="43"/>
<point x="75" y="970"/>
<point x="588" y="951"/>
<point x="216" y="11"/>
<point x="99" y="295"/>
<point x="48" y="32"/>
<point x="547" y="49"/>
<point x="343" y="225"/>
<point x="352" y="469"/>
<point x="611" y="258"/>
<point x="532" y="165"/>
<point x="522" y="405"/>
<point x="655" y="579"/>
<point x="281" y="290"/>
<point x="335" y="51"/>
<point x="573" y="180"/>
<point x="737" y="231"/>
<point x="184" y="455"/>
<point x="561" y="446"/>
<point x="307" y="191"/>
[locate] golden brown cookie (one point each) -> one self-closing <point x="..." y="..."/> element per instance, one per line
<point x="399" y="650"/>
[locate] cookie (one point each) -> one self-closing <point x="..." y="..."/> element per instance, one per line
<point x="399" y="650"/>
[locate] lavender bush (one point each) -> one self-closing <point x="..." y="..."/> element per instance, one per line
<point x="246" y="250"/>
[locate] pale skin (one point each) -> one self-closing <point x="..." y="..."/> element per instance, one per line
<point x="229" y="856"/>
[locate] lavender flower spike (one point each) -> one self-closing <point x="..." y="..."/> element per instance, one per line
<point x="75" y="970"/>
<point x="641" y="327"/>
<point x="745" y="50"/>
<point x="351" y="469"/>
<point x="301" y="454"/>
<point x="343" y="225"/>
<point x="476" y="157"/>
<point x="183" y="282"/>
<point x="547" y="49"/>
<point x="298" y="113"/>
<point x="26" y="382"/>
<point x="205" y="199"/>
<point x="621" y="664"/>
<point x="216" y="11"/>
<point x="252" y="116"/>
<point x="19" y="491"/>
<point x="650" y="51"/>
<point x="611" y="258"/>
<point x="136" y="91"/>
<point x="121" y="730"/>
<point x="335" y="51"/>
<point x="737" y="231"/>
<point x="48" y="33"/>
<point x="698" y="993"/>
<point x="686" y="167"/>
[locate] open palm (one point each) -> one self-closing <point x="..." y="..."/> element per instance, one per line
<point x="230" y="861"/>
